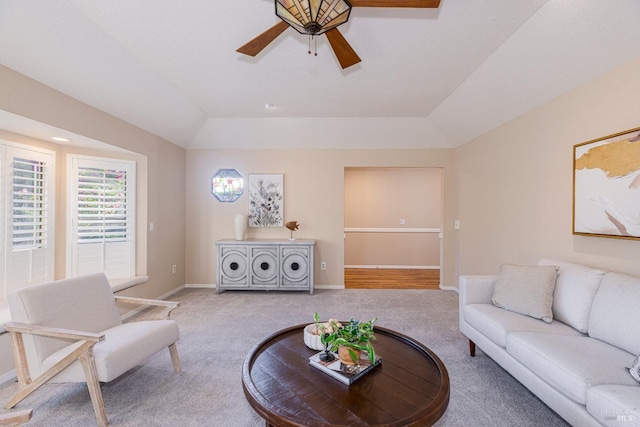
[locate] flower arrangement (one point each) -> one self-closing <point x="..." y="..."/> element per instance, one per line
<point x="354" y="335"/>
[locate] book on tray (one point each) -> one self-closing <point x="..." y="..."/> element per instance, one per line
<point x="344" y="373"/>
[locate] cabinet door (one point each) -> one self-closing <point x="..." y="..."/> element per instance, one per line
<point x="295" y="267"/>
<point x="234" y="271"/>
<point x="264" y="266"/>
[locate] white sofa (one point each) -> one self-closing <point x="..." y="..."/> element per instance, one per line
<point x="576" y="364"/>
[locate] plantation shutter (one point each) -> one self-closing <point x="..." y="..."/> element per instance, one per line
<point x="29" y="204"/>
<point x="27" y="217"/>
<point x="3" y="224"/>
<point x="103" y="217"/>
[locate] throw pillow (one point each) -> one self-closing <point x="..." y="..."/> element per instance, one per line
<point x="576" y="288"/>
<point x="526" y="290"/>
<point x="634" y="370"/>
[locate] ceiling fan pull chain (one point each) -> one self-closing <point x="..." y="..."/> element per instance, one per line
<point x="316" y="46"/>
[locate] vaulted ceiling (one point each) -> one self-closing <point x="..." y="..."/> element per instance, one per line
<point x="171" y="67"/>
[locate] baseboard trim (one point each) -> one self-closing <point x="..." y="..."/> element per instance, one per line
<point x="9" y="376"/>
<point x="448" y="288"/>
<point x="212" y="286"/>
<point x="391" y="230"/>
<point x="404" y="267"/>
<point x="333" y="287"/>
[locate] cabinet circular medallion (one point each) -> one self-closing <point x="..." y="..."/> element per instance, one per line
<point x="295" y="267"/>
<point x="233" y="265"/>
<point x="264" y="266"/>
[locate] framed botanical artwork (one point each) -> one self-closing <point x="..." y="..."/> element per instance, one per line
<point x="606" y="186"/>
<point x="266" y="200"/>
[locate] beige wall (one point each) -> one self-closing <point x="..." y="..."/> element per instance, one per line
<point x="515" y="182"/>
<point x="165" y="169"/>
<point x="381" y="198"/>
<point x="61" y="185"/>
<point x="314" y="196"/>
<point x="513" y="185"/>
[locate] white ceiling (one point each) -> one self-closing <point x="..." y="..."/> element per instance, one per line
<point x="170" y="67"/>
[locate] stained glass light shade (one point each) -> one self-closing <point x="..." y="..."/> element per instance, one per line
<point x="227" y="185"/>
<point x="313" y="17"/>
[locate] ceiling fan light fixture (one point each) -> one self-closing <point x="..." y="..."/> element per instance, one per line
<point x="313" y="17"/>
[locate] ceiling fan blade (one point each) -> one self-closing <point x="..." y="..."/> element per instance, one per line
<point x="344" y="52"/>
<point x="256" y="45"/>
<point x="395" y="3"/>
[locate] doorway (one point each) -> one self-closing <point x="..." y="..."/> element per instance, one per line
<point x="392" y="220"/>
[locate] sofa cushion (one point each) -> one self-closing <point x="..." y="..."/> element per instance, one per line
<point x="526" y="290"/>
<point x="496" y="323"/>
<point x="575" y="290"/>
<point x="554" y="358"/>
<point x="123" y="346"/>
<point x="615" y="405"/>
<point x="615" y="315"/>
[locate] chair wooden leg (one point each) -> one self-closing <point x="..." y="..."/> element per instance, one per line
<point x="16" y="418"/>
<point x="32" y="386"/>
<point x="20" y="359"/>
<point x="91" y="374"/>
<point x="472" y="348"/>
<point x="173" y="350"/>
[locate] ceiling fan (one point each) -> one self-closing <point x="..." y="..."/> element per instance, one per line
<point x="316" y="17"/>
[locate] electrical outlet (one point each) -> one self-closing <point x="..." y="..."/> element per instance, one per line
<point x="402" y="221"/>
<point x="323" y="265"/>
<point x="173" y="269"/>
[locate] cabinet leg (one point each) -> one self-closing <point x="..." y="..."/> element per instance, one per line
<point x="472" y="348"/>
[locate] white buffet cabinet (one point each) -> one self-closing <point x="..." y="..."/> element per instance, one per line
<point x="264" y="264"/>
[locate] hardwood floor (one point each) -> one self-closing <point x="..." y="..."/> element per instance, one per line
<point x="391" y="278"/>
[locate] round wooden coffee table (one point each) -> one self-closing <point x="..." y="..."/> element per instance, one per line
<point x="409" y="388"/>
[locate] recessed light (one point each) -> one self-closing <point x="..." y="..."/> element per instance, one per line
<point x="60" y="139"/>
<point x="268" y="106"/>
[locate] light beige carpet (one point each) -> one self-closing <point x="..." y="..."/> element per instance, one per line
<point x="217" y="331"/>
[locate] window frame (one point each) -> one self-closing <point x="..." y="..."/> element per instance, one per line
<point x="40" y="259"/>
<point x="73" y="243"/>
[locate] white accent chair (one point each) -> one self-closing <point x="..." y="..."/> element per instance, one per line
<point x="71" y="331"/>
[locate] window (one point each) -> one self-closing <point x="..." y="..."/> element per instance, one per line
<point x="26" y="216"/>
<point x="102" y="229"/>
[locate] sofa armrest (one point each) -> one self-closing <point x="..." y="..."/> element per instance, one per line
<point x="476" y="289"/>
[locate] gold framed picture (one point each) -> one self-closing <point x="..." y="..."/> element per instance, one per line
<point x="606" y="186"/>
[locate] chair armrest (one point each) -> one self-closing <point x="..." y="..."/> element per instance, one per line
<point x="145" y="301"/>
<point x="476" y="289"/>
<point x="162" y="308"/>
<point x="45" y="331"/>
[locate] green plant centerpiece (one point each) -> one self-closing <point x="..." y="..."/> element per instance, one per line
<point x="354" y="336"/>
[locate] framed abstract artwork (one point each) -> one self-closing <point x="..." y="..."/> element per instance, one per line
<point x="266" y="200"/>
<point x="606" y="186"/>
